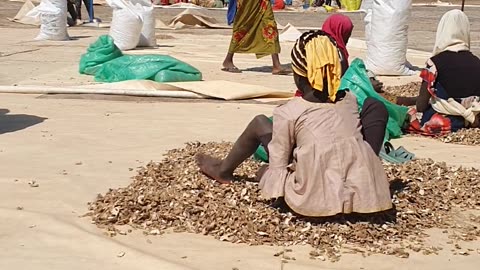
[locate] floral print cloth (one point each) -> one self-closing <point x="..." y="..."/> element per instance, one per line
<point x="254" y="29"/>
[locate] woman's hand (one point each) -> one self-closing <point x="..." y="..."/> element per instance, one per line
<point x="377" y="85"/>
<point x="476" y="123"/>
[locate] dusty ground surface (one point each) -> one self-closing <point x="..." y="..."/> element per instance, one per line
<point x="76" y="148"/>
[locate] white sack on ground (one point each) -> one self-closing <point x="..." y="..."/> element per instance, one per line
<point x="147" y="35"/>
<point x="53" y="19"/>
<point x="126" y="26"/>
<point x="387" y="38"/>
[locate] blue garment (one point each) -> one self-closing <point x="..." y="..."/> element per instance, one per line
<point x="232" y="10"/>
<point x="456" y="122"/>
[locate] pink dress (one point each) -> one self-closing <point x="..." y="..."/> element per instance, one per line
<point x="320" y="163"/>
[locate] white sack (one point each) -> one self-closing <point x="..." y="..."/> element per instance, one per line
<point x="126" y="25"/>
<point x="147" y="36"/>
<point x="53" y="19"/>
<point x="387" y="37"/>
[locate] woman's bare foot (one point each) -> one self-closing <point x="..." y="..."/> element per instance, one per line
<point x="228" y="66"/>
<point x="281" y="71"/>
<point x="211" y="167"/>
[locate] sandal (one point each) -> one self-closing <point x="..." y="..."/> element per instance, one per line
<point x="398" y="156"/>
<point x="231" y="69"/>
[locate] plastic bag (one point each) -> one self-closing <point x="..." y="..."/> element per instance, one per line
<point x="161" y="68"/>
<point x="126" y="26"/>
<point x="53" y="19"/>
<point x="99" y="52"/>
<point x="147" y="35"/>
<point x="351" y="5"/>
<point x="358" y="82"/>
<point x="387" y="37"/>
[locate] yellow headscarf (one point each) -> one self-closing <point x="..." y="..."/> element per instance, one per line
<point x="316" y="58"/>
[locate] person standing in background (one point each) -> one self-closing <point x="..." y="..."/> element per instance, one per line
<point x="319" y="3"/>
<point x="78" y="7"/>
<point x="72" y="12"/>
<point x="254" y="31"/>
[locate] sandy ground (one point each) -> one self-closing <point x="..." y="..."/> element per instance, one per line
<point x="77" y="148"/>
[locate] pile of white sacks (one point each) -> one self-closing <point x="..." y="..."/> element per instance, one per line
<point x="133" y="22"/>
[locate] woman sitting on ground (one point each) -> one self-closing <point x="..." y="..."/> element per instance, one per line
<point x="450" y="92"/>
<point x="322" y="153"/>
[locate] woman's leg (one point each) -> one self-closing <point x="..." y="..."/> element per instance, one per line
<point x="228" y="62"/>
<point x="72" y="11"/>
<point x="87" y="6"/>
<point x="78" y="6"/>
<point x="258" y="131"/>
<point x="339" y="4"/>
<point x="374" y="117"/>
<point x="277" y="66"/>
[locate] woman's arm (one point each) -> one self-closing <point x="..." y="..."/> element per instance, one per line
<point x="429" y="76"/>
<point x="423" y="99"/>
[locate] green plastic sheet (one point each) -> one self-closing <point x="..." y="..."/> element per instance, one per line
<point x="358" y="82"/>
<point x="160" y="68"/>
<point x="99" y="52"/>
<point x="107" y="63"/>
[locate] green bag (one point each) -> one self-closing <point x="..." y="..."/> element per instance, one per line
<point x="261" y="154"/>
<point x="358" y="82"/>
<point x="99" y="52"/>
<point x="160" y="68"/>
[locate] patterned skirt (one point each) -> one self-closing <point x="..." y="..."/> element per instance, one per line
<point x="254" y="29"/>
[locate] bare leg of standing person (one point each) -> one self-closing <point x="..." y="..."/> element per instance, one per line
<point x="277" y="66"/>
<point x="228" y="64"/>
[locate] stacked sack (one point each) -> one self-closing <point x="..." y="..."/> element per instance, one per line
<point x="133" y="24"/>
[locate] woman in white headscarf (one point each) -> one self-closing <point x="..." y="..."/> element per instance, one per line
<point x="450" y="92"/>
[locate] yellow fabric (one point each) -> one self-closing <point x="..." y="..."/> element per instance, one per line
<point x="322" y="61"/>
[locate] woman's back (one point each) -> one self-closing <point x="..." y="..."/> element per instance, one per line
<point x="333" y="170"/>
<point x="458" y="73"/>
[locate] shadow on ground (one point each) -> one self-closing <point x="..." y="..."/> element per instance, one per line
<point x="267" y="69"/>
<point x="15" y="122"/>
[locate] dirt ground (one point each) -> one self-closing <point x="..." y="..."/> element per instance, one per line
<point x="75" y="148"/>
